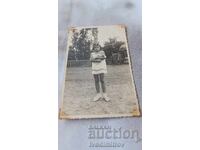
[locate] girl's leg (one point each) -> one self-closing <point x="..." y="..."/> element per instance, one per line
<point x="106" y="98"/>
<point x="97" y="86"/>
<point x="102" y="82"/>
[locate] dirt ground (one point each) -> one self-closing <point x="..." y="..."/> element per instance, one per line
<point x="80" y="90"/>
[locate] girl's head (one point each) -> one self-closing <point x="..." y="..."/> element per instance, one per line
<point x="96" y="47"/>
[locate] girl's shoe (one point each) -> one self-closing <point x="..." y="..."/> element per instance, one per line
<point x="97" y="97"/>
<point x="106" y="98"/>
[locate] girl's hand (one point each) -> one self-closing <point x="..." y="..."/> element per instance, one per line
<point x="95" y="60"/>
<point x="101" y="57"/>
<point x="98" y="60"/>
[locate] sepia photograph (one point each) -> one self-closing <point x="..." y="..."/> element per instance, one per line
<point x="99" y="80"/>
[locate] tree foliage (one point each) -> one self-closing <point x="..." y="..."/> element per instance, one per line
<point x="80" y="48"/>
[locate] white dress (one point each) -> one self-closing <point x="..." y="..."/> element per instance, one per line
<point x="98" y="67"/>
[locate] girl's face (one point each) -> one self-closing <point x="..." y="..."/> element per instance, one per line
<point x="97" y="48"/>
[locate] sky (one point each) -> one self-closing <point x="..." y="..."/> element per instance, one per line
<point x="107" y="32"/>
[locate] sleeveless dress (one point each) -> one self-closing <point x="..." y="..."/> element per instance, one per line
<point x="98" y="67"/>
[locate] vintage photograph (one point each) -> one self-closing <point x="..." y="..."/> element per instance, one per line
<point x="99" y="80"/>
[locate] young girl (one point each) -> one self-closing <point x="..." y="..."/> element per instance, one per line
<point x="99" y="68"/>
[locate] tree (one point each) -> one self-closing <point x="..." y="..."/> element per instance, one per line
<point x="80" y="45"/>
<point x="113" y="52"/>
<point x="83" y="45"/>
<point x="74" y="47"/>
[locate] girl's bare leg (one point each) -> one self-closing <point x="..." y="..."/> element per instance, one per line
<point x="97" y="86"/>
<point x="102" y="82"/>
<point x="106" y="98"/>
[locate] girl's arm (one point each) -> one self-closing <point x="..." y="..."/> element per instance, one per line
<point x="95" y="60"/>
<point x="92" y="59"/>
<point x="103" y="56"/>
